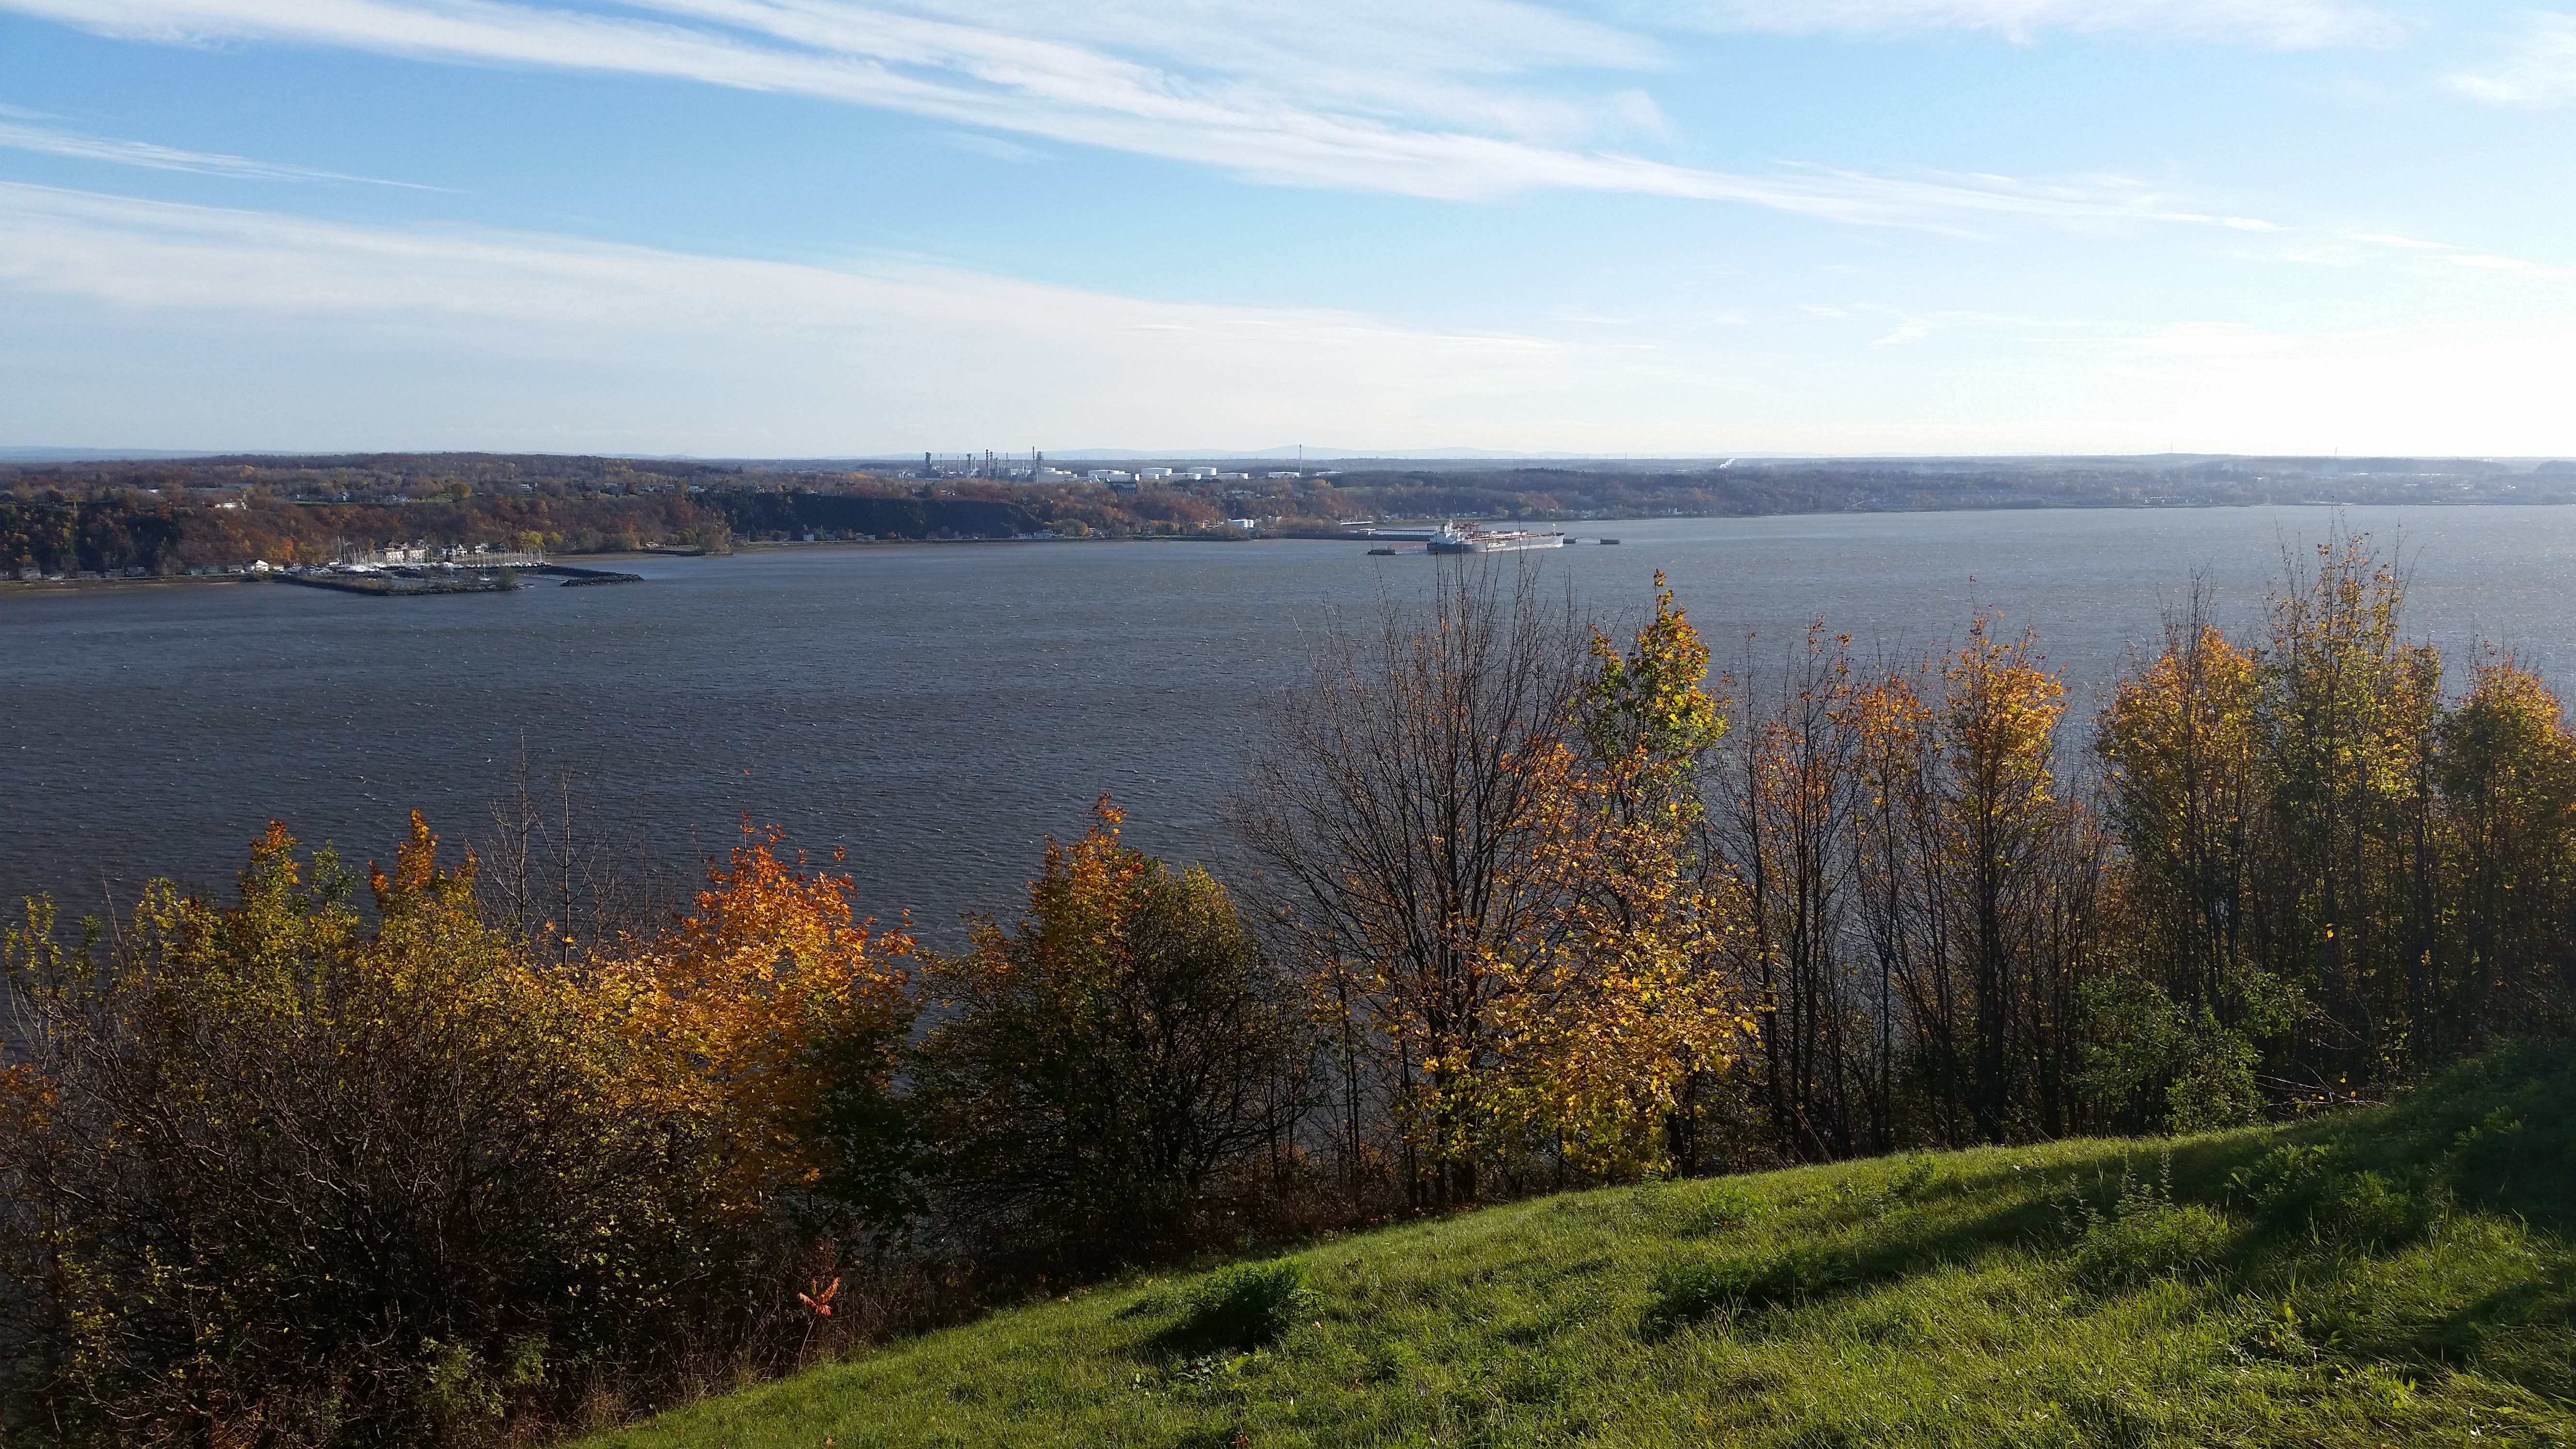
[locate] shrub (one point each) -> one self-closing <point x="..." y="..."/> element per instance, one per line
<point x="297" y="1167"/>
<point x="2167" y="1241"/>
<point x="2366" y="1209"/>
<point x="1250" y="1304"/>
<point x="1921" y="1173"/>
<point x="2287" y="1174"/>
<point x="2489" y="1150"/>
<point x="1721" y="1209"/>
<point x="2145" y="1234"/>
<point x="2309" y="1184"/>
<point x="288" y="1173"/>
<point x="2144" y="1037"/>
<point x="1106" y="1077"/>
<point x="1689" y="1290"/>
<point x="2214" y="1084"/>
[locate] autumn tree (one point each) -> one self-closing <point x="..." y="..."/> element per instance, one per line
<point x="2182" y="749"/>
<point x="1405" y="815"/>
<point x="2180" y="1027"/>
<point x="1896" y="879"/>
<point x="275" y="1168"/>
<point x="1119" y="1067"/>
<point x="1488" y="822"/>
<point x="1788" y="833"/>
<point x="2507" y="777"/>
<point x="777" y="1020"/>
<point x="1618" y="994"/>
<point x="1998" y="720"/>
<point x="2350" y="716"/>
<point x="304" y="1170"/>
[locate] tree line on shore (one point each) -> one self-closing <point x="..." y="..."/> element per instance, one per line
<point x="163" y="516"/>
<point x="166" y="517"/>
<point x="148" y="535"/>
<point x="459" y="1150"/>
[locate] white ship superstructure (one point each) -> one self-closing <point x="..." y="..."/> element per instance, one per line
<point x="1452" y="539"/>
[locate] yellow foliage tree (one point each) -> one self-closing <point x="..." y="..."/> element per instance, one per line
<point x="286" y="1164"/>
<point x="2182" y="746"/>
<point x="1997" y="721"/>
<point x="269" y="1155"/>
<point x="2508" y="783"/>
<point x="1617" y="995"/>
<point x="2351" y="714"/>
<point x="1119" y="1070"/>
<point x="762" y="1013"/>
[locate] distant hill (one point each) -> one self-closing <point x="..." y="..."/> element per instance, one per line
<point x="2400" y="1277"/>
<point x="177" y="513"/>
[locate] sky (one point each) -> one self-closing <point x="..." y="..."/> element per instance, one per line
<point x="794" y="228"/>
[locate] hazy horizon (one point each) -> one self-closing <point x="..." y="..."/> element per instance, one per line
<point x="38" y="455"/>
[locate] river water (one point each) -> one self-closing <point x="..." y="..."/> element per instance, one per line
<point x="937" y="710"/>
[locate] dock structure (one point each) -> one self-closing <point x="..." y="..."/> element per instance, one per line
<point x="389" y="586"/>
<point x="407" y="570"/>
<point x="441" y="556"/>
<point x="575" y="577"/>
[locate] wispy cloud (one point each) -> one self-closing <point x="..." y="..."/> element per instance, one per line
<point x="1950" y="201"/>
<point x="152" y="324"/>
<point x="2540" y="72"/>
<point x="2450" y="254"/>
<point x="1457" y="63"/>
<point x="991" y="148"/>
<point x="1248" y="99"/>
<point x="168" y="158"/>
<point x="887" y="352"/>
<point x="2401" y="243"/>
<point x="2287" y="23"/>
<point x="1336" y="94"/>
<point x="2215" y="340"/>
<point x="1913" y="326"/>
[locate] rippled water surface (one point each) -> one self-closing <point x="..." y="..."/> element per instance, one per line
<point x="939" y="709"/>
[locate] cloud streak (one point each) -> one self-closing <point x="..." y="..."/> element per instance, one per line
<point x="1408" y="132"/>
<point x="2283" y="23"/>
<point x="379" y="331"/>
<point x="1345" y="128"/>
<point x="147" y="324"/>
<point x="2458" y="256"/>
<point x="2541" y="72"/>
<point x="2291" y="24"/>
<point x="169" y="158"/>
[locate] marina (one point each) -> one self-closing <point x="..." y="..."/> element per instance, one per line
<point x="1453" y="537"/>
<point x="387" y="585"/>
<point x="414" y="571"/>
<point x="1474" y="539"/>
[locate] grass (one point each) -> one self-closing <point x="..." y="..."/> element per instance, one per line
<point x="2396" y="1278"/>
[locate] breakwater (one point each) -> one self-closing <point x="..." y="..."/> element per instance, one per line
<point x="576" y="577"/>
<point x="494" y="581"/>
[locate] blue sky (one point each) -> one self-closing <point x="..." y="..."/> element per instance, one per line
<point x="801" y="227"/>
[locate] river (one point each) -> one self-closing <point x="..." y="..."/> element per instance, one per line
<point x="936" y="710"/>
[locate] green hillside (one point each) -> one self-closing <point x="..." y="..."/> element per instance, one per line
<point x="2400" y="1277"/>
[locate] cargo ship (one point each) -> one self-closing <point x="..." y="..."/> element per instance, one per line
<point x="1452" y="539"/>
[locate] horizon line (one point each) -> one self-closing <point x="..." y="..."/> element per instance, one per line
<point x="37" y="455"/>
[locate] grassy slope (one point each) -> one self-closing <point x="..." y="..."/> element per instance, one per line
<point x="1958" y="1300"/>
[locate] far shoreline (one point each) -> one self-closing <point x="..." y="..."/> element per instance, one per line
<point x="69" y="586"/>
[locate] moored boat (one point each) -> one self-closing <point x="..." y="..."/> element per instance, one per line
<point x="1452" y="539"/>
